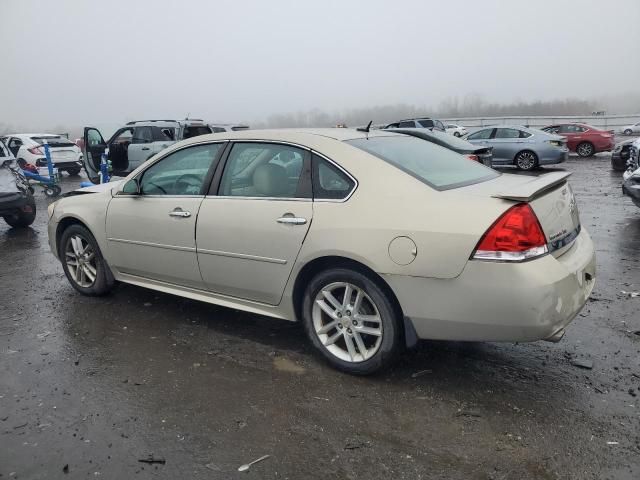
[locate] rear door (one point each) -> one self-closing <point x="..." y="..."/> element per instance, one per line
<point x="141" y="147"/>
<point x="482" y="138"/>
<point x="506" y="143"/>
<point x="250" y="233"/>
<point x="94" y="147"/>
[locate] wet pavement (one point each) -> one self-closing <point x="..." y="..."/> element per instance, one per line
<point x="91" y="386"/>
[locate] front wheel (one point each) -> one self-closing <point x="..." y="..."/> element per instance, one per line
<point x="83" y="263"/>
<point x="74" y="171"/>
<point x="456" y="134"/>
<point x="628" y="131"/>
<point x="351" y="321"/>
<point x="23" y="217"/>
<point x="526" y="160"/>
<point x="585" y="149"/>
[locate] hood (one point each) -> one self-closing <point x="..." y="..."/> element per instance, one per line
<point x="103" y="187"/>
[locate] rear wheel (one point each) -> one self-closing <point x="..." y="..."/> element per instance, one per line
<point x="526" y="160"/>
<point x="628" y="131"/>
<point x="23" y="217"/>
<point x="351" y="322"/>
<point x="83" y="263"/>
<point x="585" y="149"/>
<point x="74" y="171"/>
<point x="456" y="134"/>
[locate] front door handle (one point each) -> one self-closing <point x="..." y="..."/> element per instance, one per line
<point x="178" y="212"/>
<point x="292" y="220"/>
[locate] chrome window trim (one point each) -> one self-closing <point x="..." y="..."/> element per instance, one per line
<point x="282" y="199"/>
<point x="133" y="195"/>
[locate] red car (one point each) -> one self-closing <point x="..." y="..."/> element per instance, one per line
<point x="583" y="139"/>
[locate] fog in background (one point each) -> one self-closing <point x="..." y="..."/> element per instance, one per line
<point x="71" y="63"/>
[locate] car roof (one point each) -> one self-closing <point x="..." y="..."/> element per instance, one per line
<point x="34" y="135"/>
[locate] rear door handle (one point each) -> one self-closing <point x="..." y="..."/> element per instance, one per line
<point x="178" y="212"/>
<point x="292" y="220"/>
<point x="145" y="148"/>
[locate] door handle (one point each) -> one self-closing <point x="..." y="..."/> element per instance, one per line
<point x="179" y="213"/>
<point x="145" y="148"/>
<point x="292" y="220"/>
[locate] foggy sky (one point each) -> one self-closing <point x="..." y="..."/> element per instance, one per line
<point x="91" y="62"/>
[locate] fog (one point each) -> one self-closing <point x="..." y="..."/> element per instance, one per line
<point x="89" y="62"/>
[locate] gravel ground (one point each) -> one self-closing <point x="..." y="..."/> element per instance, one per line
<point x="91" y="386"/>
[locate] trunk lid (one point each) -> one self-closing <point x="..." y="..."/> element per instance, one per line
<point x="551" y="198"/>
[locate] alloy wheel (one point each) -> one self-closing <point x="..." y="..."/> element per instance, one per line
<point x="80" y="260"/>
<point x="526" y="160"/>
<point x="585" y="150"/>
<point x="347" y="322"/>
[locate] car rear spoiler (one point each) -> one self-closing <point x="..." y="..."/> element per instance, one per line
<point x="536" y="186"/>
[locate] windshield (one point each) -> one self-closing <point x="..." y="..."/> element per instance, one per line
<point x="432" y="164"/>
<point x="54" y="141"/>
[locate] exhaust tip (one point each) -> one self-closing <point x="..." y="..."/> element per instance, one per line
<point x="556" y="337"/>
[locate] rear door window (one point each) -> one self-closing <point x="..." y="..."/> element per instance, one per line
<point x="407" y="124"/>
<point x="432" y="164"/>
<point x="191" y="131"/>
<point x="481" y="135"/>
<point x="426" y="123"/>
<point x="507" y="133"/>
<point x="142" y="135"/>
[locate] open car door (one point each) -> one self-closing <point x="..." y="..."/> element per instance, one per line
<point x="94" y="147"/>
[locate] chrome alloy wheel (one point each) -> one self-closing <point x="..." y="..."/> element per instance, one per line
<point x="80" y="260"/>
<point x="347" y="322"/>
<point x="585" y="150"/>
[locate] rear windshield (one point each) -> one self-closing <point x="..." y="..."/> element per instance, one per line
<point x="195" y="131"/>
<point x="432" y="164"/>
<point x="54" y="141"/>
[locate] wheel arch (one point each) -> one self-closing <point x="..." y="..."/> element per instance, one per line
<point x="65" y="223"/>
<point x="320" y="264"/>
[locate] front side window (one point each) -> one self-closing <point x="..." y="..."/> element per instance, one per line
<point x="432" y="164"/>
<point x="407" y="124"/>
<point x="123" y="137"/>
<point x="426" y="123"/>
<point x="263" y="170"/>
<point x="142" y="135"/>
<point x="481" y="135"/>
<point x="507" y="133"/>
<point x="329" y="182"/>
<point x="180" y="173"/>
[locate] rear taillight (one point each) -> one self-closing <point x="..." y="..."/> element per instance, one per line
<point x="557" y="143"/>
<point x="516" y="236"/>
<point x="35" y="151"/>
<point x="472" y="157"/>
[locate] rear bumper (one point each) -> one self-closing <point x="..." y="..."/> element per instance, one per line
<point x="500" y="301"/>
<point x="554" y="157"/>
<point x="11" y="202"/>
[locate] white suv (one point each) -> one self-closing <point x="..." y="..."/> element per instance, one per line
<point x="65" y="154"/>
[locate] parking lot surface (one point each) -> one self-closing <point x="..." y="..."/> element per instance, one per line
<point x="91" y="386"/>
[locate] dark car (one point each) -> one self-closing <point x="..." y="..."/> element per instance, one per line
<point x="473" y="152"/>
<point x="422" y="122"/>
<point x="17" y="206"/>
<point x="620" y="155"/>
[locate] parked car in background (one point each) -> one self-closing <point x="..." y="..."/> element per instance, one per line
<point x="631" y="129"/>
<point x="583" y="139"/>
<point x="620" y="155"/>
<point x="422" y="122"/>
<point x="65" y="154"/>
<point x="17" y="206"/>
<point x="455" y="130"/>
<point x="370" y="239"/>
<point x="227" y="127"/>
<point x="631" y="177"/>
<point x="526" y="148"/>
<point x="136" y="142"/>
<point x="477" y="153"/>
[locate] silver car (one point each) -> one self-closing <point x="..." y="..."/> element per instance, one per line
<point x="526" y="148"/>
<point x="370" y="239"/>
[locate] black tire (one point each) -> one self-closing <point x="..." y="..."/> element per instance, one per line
<point x="23" y="218"/>
<point x="628" y="131"/>
<point x="73" y="171"/>
<point x="456" y="134"/>
<point x="391" y="325"/>
<point x="585" y="149"/>
<point x="52" y="191"/>
<point x="104" y="281"/>
<point x="526" y="160"/>
<point x="619" y="163"/>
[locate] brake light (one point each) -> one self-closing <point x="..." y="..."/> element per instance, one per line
<point x="35" y="151"/>
<point x="472" y="157"/>
<point x="516" y="236"/>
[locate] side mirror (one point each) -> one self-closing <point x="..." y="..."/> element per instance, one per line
<point x="132" y="187"/>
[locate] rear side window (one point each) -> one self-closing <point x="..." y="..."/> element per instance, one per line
<point x="507" y="133"/>
<point x="426" y="123"/>
<point x="196" y="130"/>
<point x="218" y="129"/>
<point x="329" y="182"/>
<point x="432" y="164"/>
<point x="407" y="124"/>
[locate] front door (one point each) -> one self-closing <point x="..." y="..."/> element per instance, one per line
<point x="141" y="147"/>
<point x="94" y="147"/>
<point x="250" y="234"/>
<point x="151" y="224"/>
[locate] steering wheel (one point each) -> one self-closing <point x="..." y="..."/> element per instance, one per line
<point x="190" y="180"/>
<point x="157" y="186"/>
